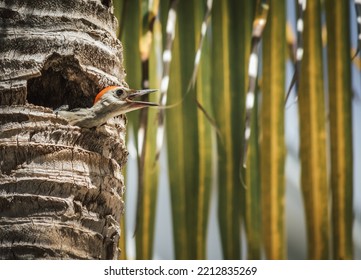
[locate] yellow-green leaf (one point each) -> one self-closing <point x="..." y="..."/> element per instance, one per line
<point x="272" y="123"/>
<point x="189" y="137"/>
<point x="340" y="99"/>
<point x="230" y="54"/>
<point x="147" y="165"/>
<point x="313" y="136"/>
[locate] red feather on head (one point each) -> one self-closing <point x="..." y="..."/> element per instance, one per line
<point x="102" y="92"/>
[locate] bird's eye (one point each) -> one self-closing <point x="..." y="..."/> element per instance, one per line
<point x="120" y="92"/>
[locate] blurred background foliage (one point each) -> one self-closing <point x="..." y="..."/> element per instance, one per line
<point x="201" y="68"/>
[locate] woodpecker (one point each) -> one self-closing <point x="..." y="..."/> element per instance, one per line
<point x="110" y="102"/>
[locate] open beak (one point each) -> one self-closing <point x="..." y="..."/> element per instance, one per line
<point x="139" y="93"/>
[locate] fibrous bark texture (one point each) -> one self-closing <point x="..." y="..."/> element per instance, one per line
<point x="61" y="186"/>
<point x="57" y="51"/>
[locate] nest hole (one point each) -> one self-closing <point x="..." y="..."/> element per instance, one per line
<point x="62" y="82"/>
<point x="106" y="3"/>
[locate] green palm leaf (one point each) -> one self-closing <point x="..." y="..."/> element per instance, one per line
<point x="313" y="136"/>
<point x="272" y="123"/>
<point x="340" y="98"/>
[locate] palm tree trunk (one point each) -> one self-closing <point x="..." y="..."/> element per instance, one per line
<point x="61" y="186"/>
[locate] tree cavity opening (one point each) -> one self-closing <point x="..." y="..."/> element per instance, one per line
<point x="62" y="82"/>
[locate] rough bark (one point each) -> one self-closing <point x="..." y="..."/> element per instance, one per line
<point x="61" y="186"/>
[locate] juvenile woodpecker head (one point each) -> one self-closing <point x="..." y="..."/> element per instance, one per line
<point x="109" y="103"/>
<point x="123" y="99"/>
